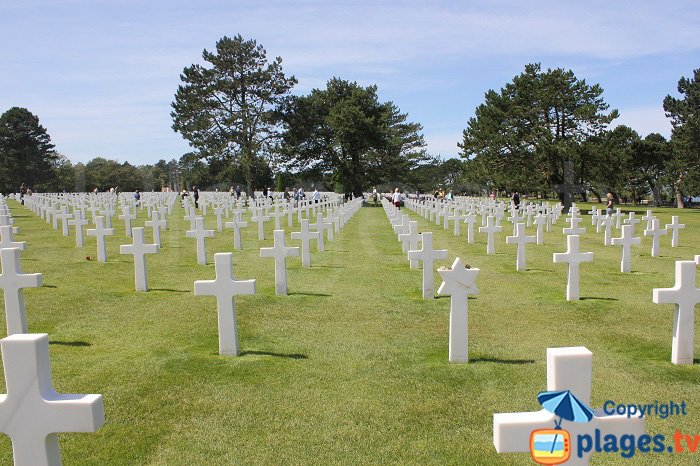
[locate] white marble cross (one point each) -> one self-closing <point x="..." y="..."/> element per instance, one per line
<point x="626" y="241"/>
<point x="573" y="257"/>
<point x="64" y="216"/>
<point x="236" y="224"/>
<point x="280" y="252"/>
<point x="139" y="249"/>
<point x="156" y="224"/>
<point x="656" y="232"/>
<point x="191" y="216"/>
<point x="632" y="220"/>
<point x="649" y="217"/>
<point x="409" y="241"/>
<point x="458" y="282"/>
<point x="540" y="221"/>
<point x="225" y="287"/>
<point x="521" y="239"/>
<point x="127" y="217"/>
<point x="574" y="229"/>
<point x="607" y="222"/>
<point x="219" y="212"/>
<point x="78" y="222"/>
<point x="7" y="239"/>
<point x="260" y="217"/>
<point x="305" y="236"/>
<point x="490" y="229"/>
<point x="618" y="217"/>
<point x="200" y="234"/>
<point x="277" y="214"/>
<point x="674" y="226"/>
<point x="32" y="413"/>
<point x="12" y="282"/>
<point x="470" y="220"/>
<point x="567" y="369"/>
<point x="428" y="256"/>
<point x="685" y="295"/>
<point x="319" y="227"/>
<point x="100" y="232"/>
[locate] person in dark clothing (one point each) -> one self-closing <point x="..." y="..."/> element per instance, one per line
<point x="515" y="198"/>
<point x="195" y="195"/>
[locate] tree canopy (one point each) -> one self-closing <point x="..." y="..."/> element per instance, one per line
<point x="524" y="136"/>
<point x="229" y="111"/>
<point x="344" y="132"/>
<point x="26" y="153"/>
<point x="684" y="165"/>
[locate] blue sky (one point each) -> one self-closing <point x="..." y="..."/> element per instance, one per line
<point x="101" y="74"/>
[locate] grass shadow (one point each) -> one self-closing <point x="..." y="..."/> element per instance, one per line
<point x="308" y="293"/>
<point x="275" y="355"/>
<point x="539" y="270"/>
<point x="49" y="286"/>
<point x="172" y="290"/>
<point x="589" y="298"/>
<point x="70" y="343"/>
<point x="328" y="266"/>
<point x="503" y="361"/>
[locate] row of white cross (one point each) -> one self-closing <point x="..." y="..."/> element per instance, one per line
<point x="567" y="368"/>
<point x="31" y="412"/>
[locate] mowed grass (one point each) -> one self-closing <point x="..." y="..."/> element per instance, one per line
<point x="351" y="367"/>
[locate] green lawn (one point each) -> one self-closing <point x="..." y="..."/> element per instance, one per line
<point x="351" y="367"/>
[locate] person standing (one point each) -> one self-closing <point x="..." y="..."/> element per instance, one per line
<point x="609" y="205"/>
<point x="515" y="199"/>
<point x="316" y="196"/>
<point x="195" y="196"/>
<point x="396" y="198"/>
<point x="22" y="193"/>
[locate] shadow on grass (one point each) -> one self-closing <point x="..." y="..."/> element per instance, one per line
<point x="590" y="298"/>
<point x="275" y="355"/>
<point x="172" y="290"/>
<point x="70" y="343"/>
<point x="308" y="293"/>
<point x="328" y="266"/>
<point x="49" y="286"/>
<point x="539" y="270"/>
<point x="503" y="361"/>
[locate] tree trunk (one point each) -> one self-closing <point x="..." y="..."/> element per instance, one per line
<point x="679" y="194"/>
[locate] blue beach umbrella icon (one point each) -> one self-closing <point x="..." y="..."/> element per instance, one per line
<point x="565" y="405"/>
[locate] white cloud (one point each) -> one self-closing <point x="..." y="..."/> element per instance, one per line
<point x="645" y="120"/>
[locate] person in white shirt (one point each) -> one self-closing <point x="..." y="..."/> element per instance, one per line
<point x="316" y="196"/>
<point x="396" y="198"/>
